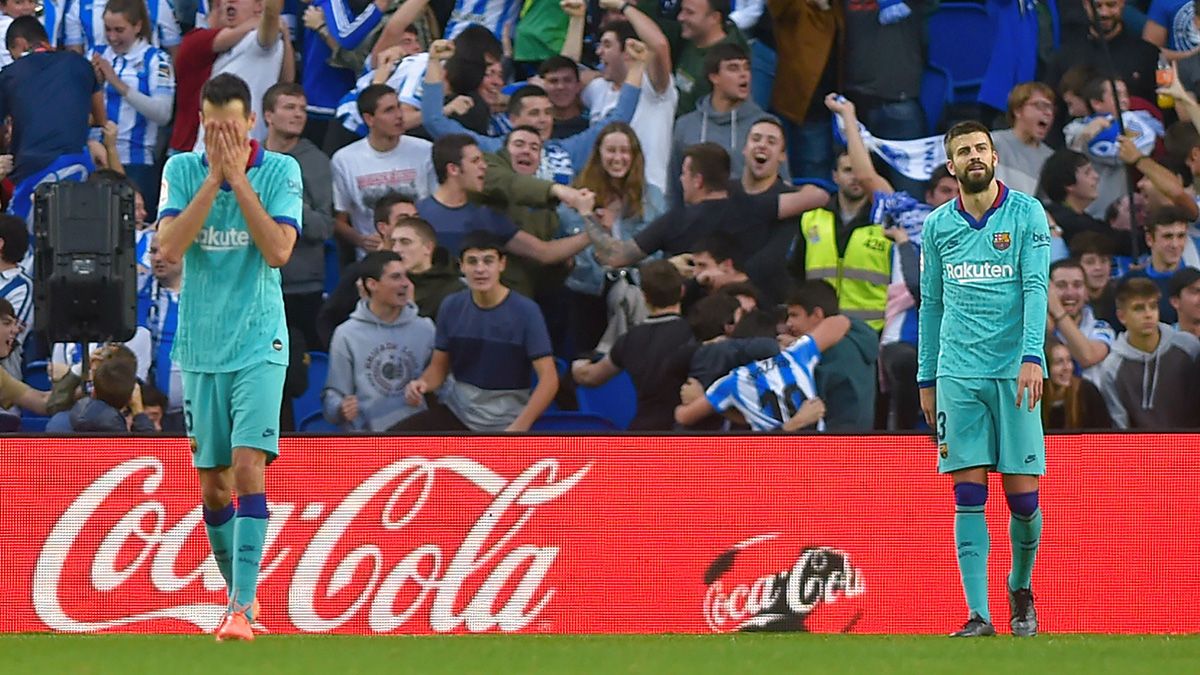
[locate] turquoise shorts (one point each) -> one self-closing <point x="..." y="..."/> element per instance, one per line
<point x="223" y="411"/>
<point x="979" y="424"/>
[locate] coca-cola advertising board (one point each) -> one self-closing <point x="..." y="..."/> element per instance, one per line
<point x="540" y="534"/>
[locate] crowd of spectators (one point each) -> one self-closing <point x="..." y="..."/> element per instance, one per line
<point x="506" y="200"/>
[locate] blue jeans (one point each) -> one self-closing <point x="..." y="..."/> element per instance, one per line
<point x="898" y="121"/>
<point x="810" y="148"/>
<point x="762" y="73"/>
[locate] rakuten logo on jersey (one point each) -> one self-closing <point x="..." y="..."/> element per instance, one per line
<point x="222" y="240"/>
<point x="362" y="564"/>
<point x="970" y="273"/>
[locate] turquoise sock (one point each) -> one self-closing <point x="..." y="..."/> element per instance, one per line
<point x="971" y="538"/>
<point x="1025" y="533"/>
<point x="250" y="532"/>
<point x="219" y="526"/>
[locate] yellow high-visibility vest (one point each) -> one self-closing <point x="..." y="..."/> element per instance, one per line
<point x="861" y="277"/>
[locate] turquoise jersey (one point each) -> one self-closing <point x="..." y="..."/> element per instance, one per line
<point x="231" y="305"/>
<point x="983" y="289"/>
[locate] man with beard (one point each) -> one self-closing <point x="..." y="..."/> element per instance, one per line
<point x="840" y="243"/>
<point x="982" y="330"/>
<point x="1022" y="148"/>
<point x="1135" y="59"/>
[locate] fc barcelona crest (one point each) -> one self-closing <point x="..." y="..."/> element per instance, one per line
<point x="1002" y="240"/>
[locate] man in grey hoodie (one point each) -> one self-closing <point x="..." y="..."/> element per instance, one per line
<point x="375" y="354"/>
<point x="723" y="117"/>
<point x="285" y="114"/>
<point x="1149" y="378"/>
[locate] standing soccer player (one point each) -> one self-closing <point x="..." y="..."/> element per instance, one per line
<point x="984" y="269"/>
<point x="232" y="215"/>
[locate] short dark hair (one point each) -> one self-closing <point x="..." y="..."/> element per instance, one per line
<point x="373" y="264"/>
<point x="368" y="100"/>
<point x="282" y="89"/>
<point x="1058" y="173"/>
<point x="711" y="162"/>
<point x="1090" y="241"/>
<point x="556" y="63"/>
<point x="525" y="128"/>
<point x="756" y="323"/>
<point x="623" y="30"/>
<point x="813" y="294"/>
<point x="424" y="230"/>
<point x="449" y="150"/>
<point x="114" y="381"/>
<point x="480" y="240"/>
<point x="742" y="288"/>
<point x="1066" y="264"/>
<point x="967" y="127"/>
<point x="709" y="317"/>
<point x="662" y="284"/>
<point x="26" y="28"/>
<point x="1136" y="288"/>
<point x="939" y="173"/>
<point x="6" y="309"/>
<point x="223" y="90"/>
<point x="773" y="121"/>
<point x="516" y="102"/>
<point x="722" y="7"/>
<point x="383" y="206"/>
<point x="152" y="397"/>
<point x="1162" y="217"/>
<point x="1180" y="138"/>
<point x="720" y="53"/>
<point x="16" y="238"/>
<point x="1074" y="79"/>
<point x="721" y="246"/>
<point x="1096" y="86"/>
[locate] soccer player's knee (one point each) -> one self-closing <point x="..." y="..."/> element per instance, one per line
<point x="215" y="495"/>
<point x="970" y="494"/>
<point x="1023" y="503"/>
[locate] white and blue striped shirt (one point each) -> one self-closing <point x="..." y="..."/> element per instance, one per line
<point x="493" y="15"/>
<point x="17" y="288"/>
<point x="770" y="391"/>
<point x="85" y="24"/>
<point x="147" y="71"/>
<point x="408" y="80"/>
<point x="54" y="18"/>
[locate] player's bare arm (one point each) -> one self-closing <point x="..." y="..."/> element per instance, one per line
<point x="176" y="234"/>
<point x="611" y="251"/>
<point x="274" y="240"/>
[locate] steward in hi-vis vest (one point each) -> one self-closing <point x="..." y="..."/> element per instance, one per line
<point x="855" y="257"/>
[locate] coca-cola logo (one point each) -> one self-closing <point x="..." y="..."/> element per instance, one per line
<point x="491" y="581"/>
<point x="782" y="600"/>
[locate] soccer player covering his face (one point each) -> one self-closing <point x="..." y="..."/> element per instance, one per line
<point x="984" y="270"/>
<point x="232" y="215"/>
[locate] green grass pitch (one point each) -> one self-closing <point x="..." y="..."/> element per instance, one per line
<point x="759" y="653"/>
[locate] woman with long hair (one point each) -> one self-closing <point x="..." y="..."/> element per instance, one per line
<point x="625" y="203"/>
<point x="139" y="90"/>
<point x="1069" y="401"/>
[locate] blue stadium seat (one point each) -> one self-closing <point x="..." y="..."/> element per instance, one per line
<point x="316" y="423"/>
<point x="935" y="94"/>
<point x="960" y="42"/>
<point x="615" y="400"/>
<point x="33" y="423"/>
<point x="310" y="401"/>
<point x="333" y="266"/>
<point x="36" y="375"/>
<point x="569" y="420"/>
